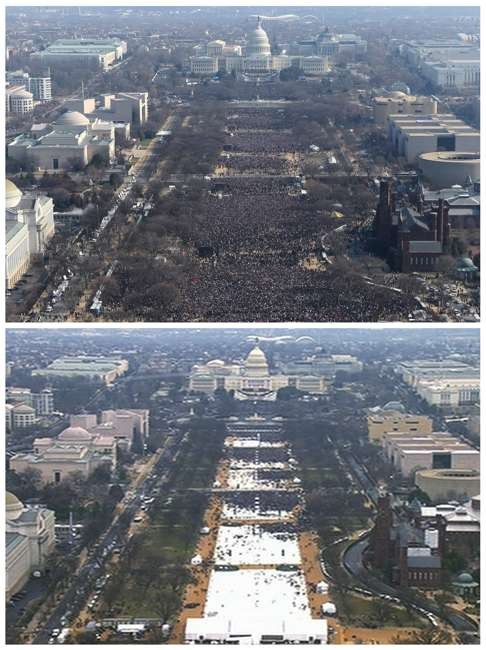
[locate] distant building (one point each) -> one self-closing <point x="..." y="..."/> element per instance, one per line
<point x="464" y="203"/>
<point x="254" y="59"/>
<point x="414" y="371"/>
<point x="449" y="394"/>
<point x="446" y="484"/>
<point x="42" y="402"/>
<point x="397" y="102"/>
<point x="453" y="73"/>
<point x="40" y="87"/>
<point x="445" y="63"/>
<point x="204" y="66"/>
<point x="251" y="379"/>
<point x="23" y="416"/>
<point x="412" y="135"/>
<point x="29" y="541"/>
<point x="321" y="364"/>
<point x="410" y="555"/>
<point x="74" y="450"/>
<point x="94" y="53"/>
<point x="410" y="452"/>
<point x="392" y="418"/>
<point x="106" y="369"/>
<point x="331" y="45"/>
<point x="459" y="525"/>
<point x="29" y="222"/>
<point x="18" y="100"/>
<point x="9" y="417"/>
<point x="413" y="239"/>
<point x="128" y="108"/>
<point x="70" y="142"/>
<point x="122" y="424"/>
<point x="446" y="168"/>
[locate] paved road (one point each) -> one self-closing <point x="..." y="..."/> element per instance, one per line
<point x="75" y="597"/>
<point x="353" y="563"/>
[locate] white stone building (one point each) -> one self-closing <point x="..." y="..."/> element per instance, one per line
<point x="29" y="221"/>
<point x="255" y="59"/>
<point x="449" y="393"/>
<point x="23" y="416"/>
<point x="18" y="100"/>
<point x="71" y="141"/>
<point x="412" y="135"/>
<point x="397" y="102"/>
<point x="410" y="452"/>
<point x="122" y="424"/>
<point x="94" y="53"/>
<point x="453" y="73"/>
<point x="39" y="86"/>
<point x="29" y="541"/>
<point x="250" y="379"/>
<point x="75" y="450"/>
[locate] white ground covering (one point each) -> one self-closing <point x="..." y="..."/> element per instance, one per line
<point x="245" y="464"/>
<point x="236" y="512"/>
<point x="253" y="443"/>
<point x="250" y="544"/>
<point x="256" y="594"/>
<point x="247" y="479"/>
<point x="253" y="631"/>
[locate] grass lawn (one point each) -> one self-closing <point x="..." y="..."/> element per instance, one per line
<point x="363" y="612"/>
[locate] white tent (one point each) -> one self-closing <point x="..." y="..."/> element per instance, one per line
<point x="196" y="560"/>
<point x="322" y="587"/>
<point x="329" y="609"/>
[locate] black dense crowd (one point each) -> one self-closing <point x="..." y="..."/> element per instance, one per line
<point x="251" y="236"/>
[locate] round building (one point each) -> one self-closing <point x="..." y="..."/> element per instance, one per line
<point x="447" y="168"/>
<point x="446" y="484"/>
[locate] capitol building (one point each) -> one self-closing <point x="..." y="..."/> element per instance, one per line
<point x="254" y="60"/>
<point x="251" y="379"/>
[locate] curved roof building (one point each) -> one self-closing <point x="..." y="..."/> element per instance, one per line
<point x="72" y="118"/>
<point x="257" y="41"/>
<point x="13" y="506"/>
<point x="13" y="195"/>
<point x="256" y="363"/>
<point x="447" y="168"/>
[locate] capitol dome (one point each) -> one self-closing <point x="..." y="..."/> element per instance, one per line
<point x="256" y="363"/>
<point x="72" y="118"/>
<point x="75" y="434"/>
<point x="257" y="41"/>
<point x="13" y="506"/>
<point x="13" y="195"/>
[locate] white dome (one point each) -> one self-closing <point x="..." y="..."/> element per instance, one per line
<point x="72" y="118"/>
<point x="257" y="42"/>
<point x="256" y="362"/>
<point x="13" y="195"/>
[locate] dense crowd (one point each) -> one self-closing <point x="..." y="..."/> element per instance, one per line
<point x="258" y="231"/>
<point x="268" y="500"/>
<point x="264" y="142"/>
<point x="257" y="164"/>
<point x="265" y="454"/>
